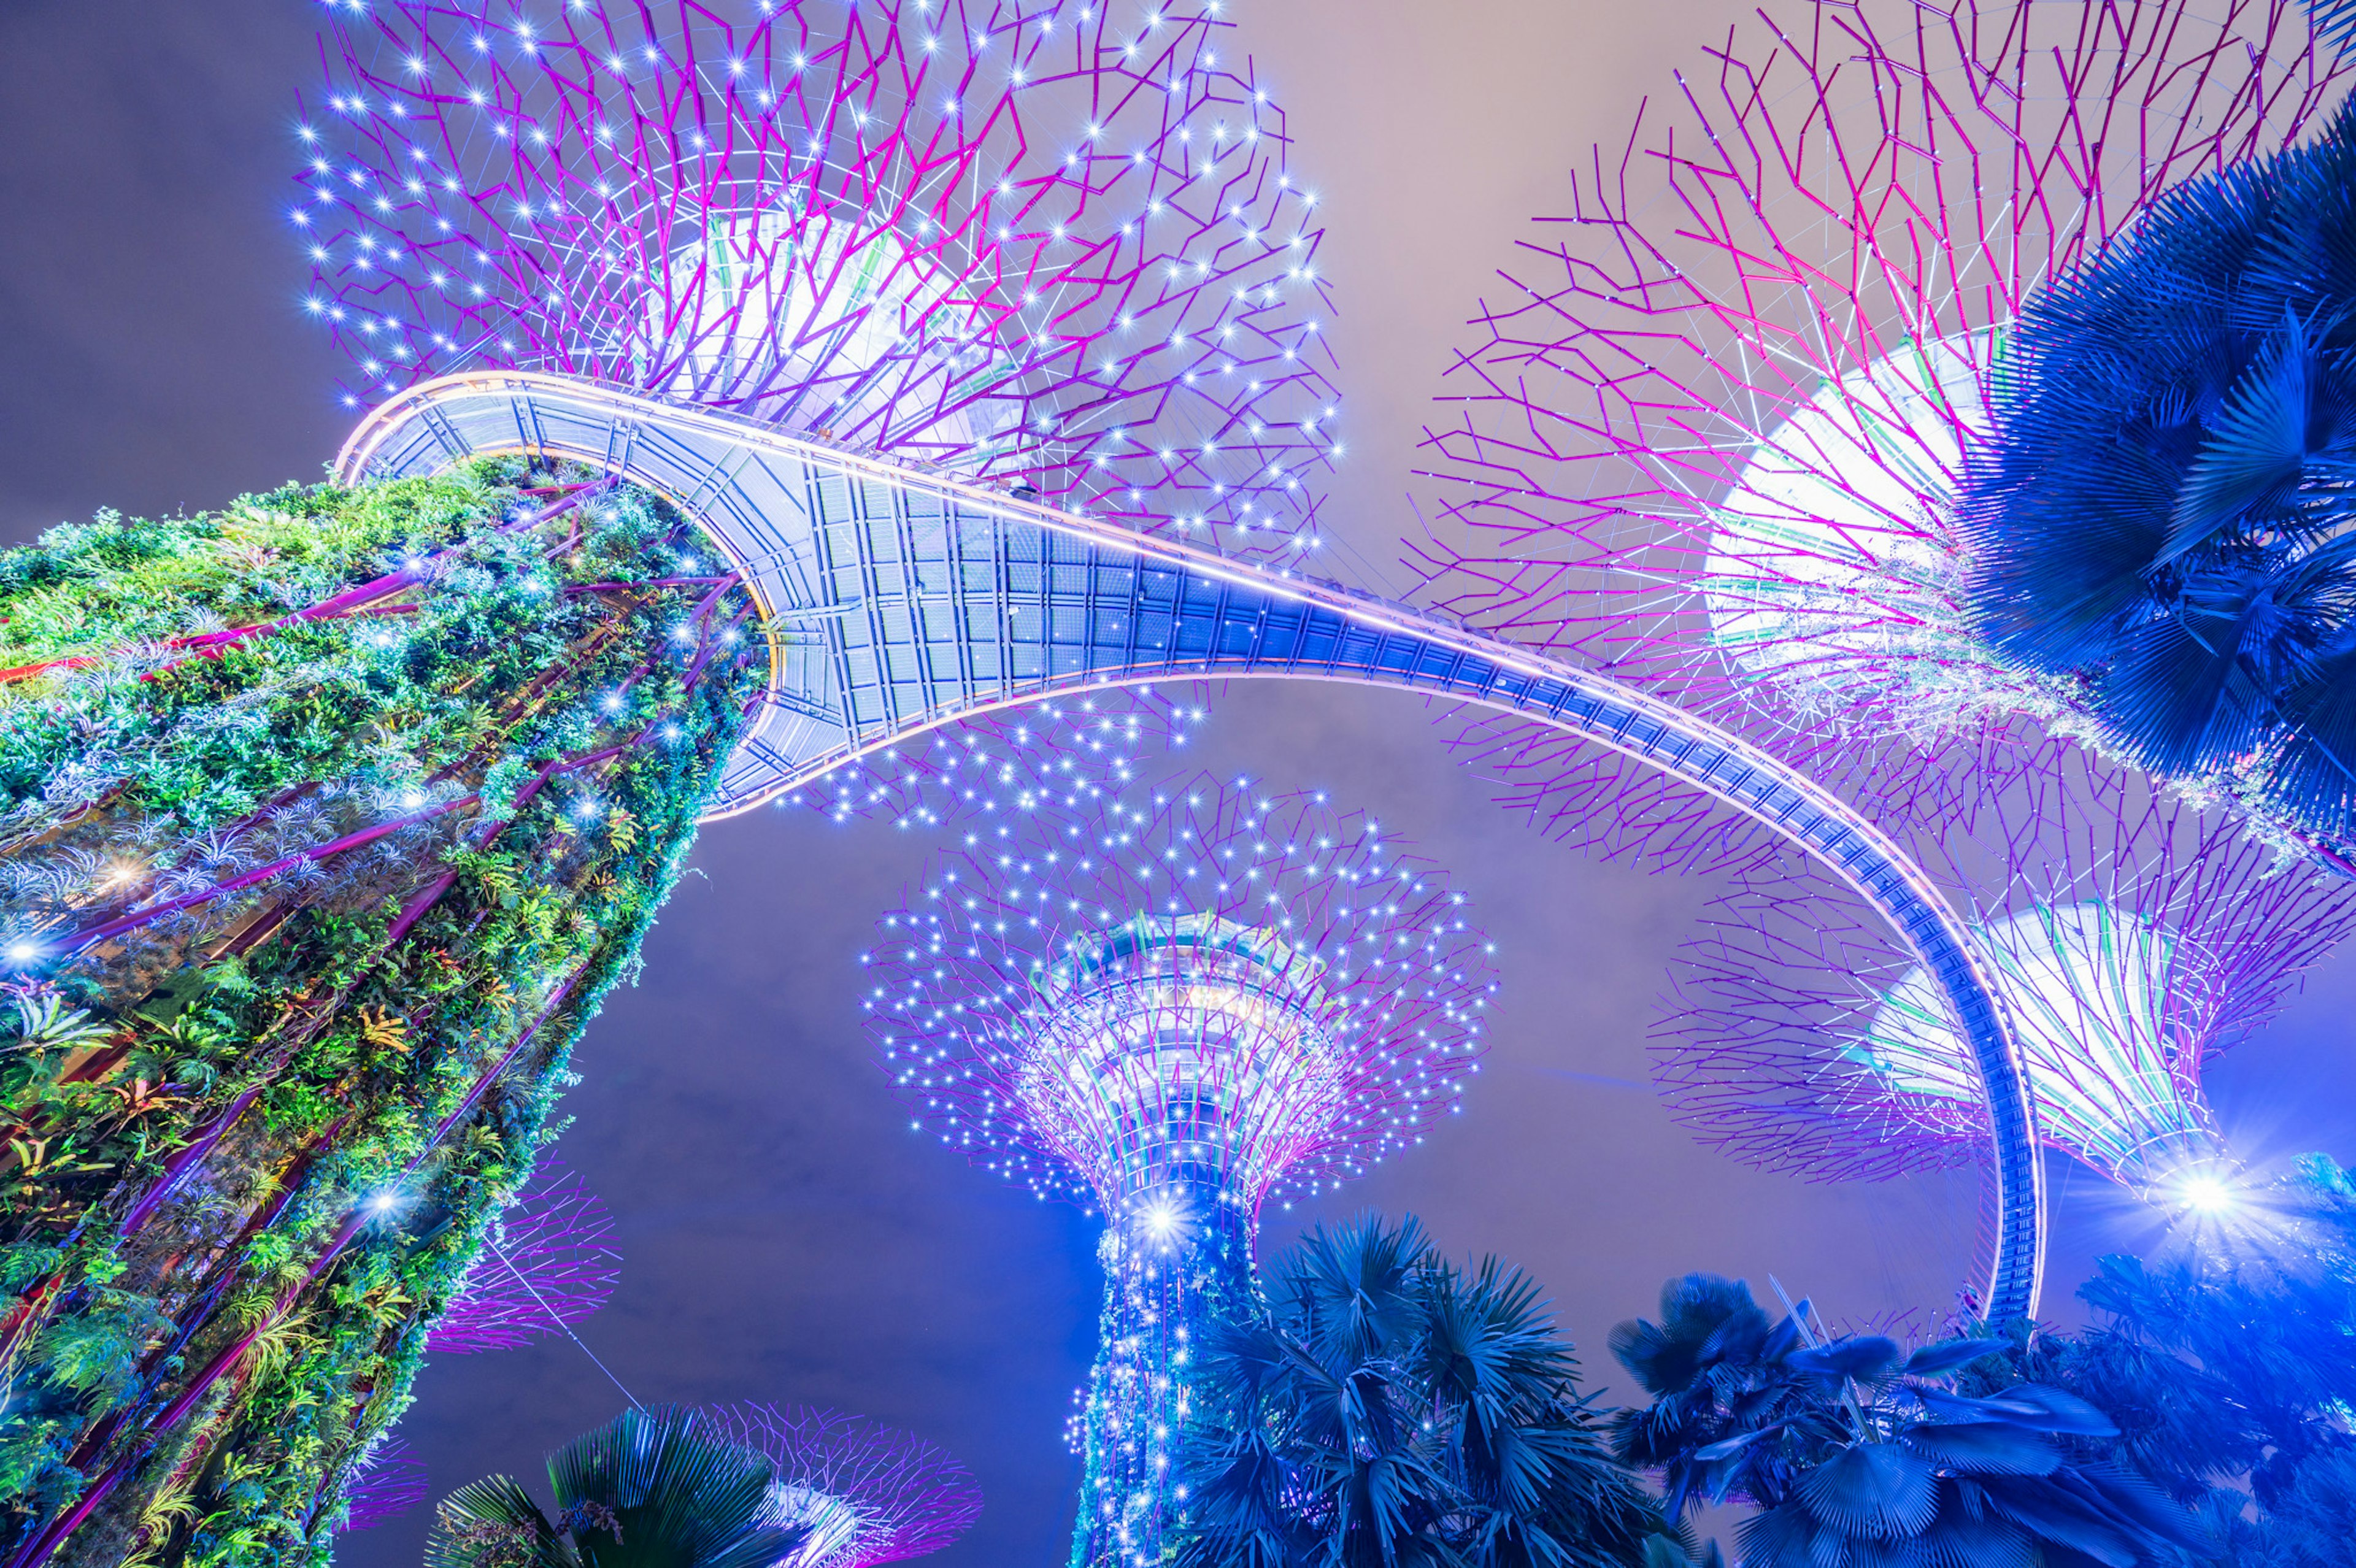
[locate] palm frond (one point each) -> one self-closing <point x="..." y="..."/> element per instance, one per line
<point x="494" y="1524"/>
<point x="659" y="1489"/>
<point x="2158" y="509"/>
<point x="2334" y="21"/>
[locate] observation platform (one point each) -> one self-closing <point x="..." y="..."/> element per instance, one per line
<point x="902" y="599"/>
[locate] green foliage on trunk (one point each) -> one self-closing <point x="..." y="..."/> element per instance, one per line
<point x="325" y="822"/>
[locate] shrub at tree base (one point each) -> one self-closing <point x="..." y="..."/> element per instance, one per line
<point x="1854" y="1451"/>
<point x="1388" y="1407"/>
<point x="325" y="822"/>
<point x="2228" y="1359"/>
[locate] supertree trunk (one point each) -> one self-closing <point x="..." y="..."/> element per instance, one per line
<point x="326" y="821"/>
<point x="1182" y="1263"/>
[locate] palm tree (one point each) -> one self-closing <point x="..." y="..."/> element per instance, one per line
<point x="1854" y="1451"/>
<point x="653" y="1488"/>
<point x="2164" y="509"/>
<point x="1387" y="1408"/>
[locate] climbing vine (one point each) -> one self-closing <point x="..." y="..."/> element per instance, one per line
<point x="325" y="822"/>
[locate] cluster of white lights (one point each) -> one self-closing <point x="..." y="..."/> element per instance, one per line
<point x="988" y="774"/>
<point x="1255" y="988"/>
<point x="566" y="239"/>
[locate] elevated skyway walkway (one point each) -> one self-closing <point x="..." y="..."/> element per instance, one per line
<point x="904" y="600"/>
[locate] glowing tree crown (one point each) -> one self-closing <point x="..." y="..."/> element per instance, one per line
<point x="1222" y="985"/>
<point x="2130" y="938"/>
<point x="547" y="1263"/>
<point x="868" y="1493"/>
<point x="1006" y="762"/>
<point x="1712" y="435"/>
<point x="1054" y="245"/>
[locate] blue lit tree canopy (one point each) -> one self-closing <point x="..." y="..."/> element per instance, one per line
<point x="2163" y="508"/>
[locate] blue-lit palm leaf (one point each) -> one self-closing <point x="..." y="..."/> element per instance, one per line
<point x="2166" y="508"/>
<point x="2334" y="20"/>
<point x="1391" y="1410"/>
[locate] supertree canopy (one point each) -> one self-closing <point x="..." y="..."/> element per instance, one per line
<point x="1171" y="1008"/>
<point x="1009" y="762"/>
<point x="866" y="1492"/>
<point x="547" y="1263"/>
<point x="1716" y="436"/>
<point x="2133" y="938"/>
<point x="1055" y="245"/>
<point x="325" y="822"/>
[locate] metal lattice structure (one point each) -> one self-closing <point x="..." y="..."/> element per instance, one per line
<point x="905" y="585"/>
<point x="1056" y="246"/>
<point x="1171" y="1009"/>
<point x="869" y="1493"/>
<point x="2135" y="937"/>
<point x="931" y="601"/>
<point x="546" y="1264"/>
<point x="1710" y="437"/>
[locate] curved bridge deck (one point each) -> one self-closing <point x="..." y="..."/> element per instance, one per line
<point x="906" y="600"/>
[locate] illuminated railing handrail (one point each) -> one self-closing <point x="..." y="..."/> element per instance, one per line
<point x="1330" y="632"/>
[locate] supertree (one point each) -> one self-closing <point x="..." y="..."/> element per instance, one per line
<point x="937" y="535"/>
<point x="1717" y="435"/>
<point x="327" y="820"/>
<point x="1169" y="1008"/>
<point x="868" y="1493"/>
<point x="547" y="1263"/>
<point x="2133" y="937"/>
<point x="1055" y="245"/>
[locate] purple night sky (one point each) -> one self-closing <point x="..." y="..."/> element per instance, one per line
<point x="785" y="1237"/>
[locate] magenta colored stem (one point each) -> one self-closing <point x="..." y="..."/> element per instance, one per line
<point x="326" y="609"/>
<point x="650" y="582"/>
<point x="178" y="1166"/>
<point x="426" y="898"/>
<point x="137" y="918"/>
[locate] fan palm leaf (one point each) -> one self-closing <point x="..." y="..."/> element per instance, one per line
<point x="2160" y="509"/>
<point x="649" y="1489"/>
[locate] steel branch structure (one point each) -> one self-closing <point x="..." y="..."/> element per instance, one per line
<point x="1710" y="438"/>
<point x="1054" y="245"/>
<point x="547" y="1263"/>
<point x="869" y="1493"/>
<point x="385" y="1485"/>
<point x="2134" y="937"/>
<point x="909" y="582"/>
<point x="1171" y="1011"/>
